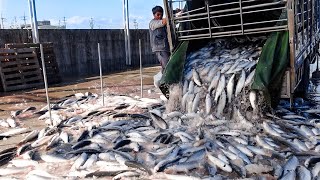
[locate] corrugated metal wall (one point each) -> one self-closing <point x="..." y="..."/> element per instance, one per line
<point x="76" y="49"/>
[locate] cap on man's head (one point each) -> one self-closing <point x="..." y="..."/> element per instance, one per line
<point x="157" y="9"/>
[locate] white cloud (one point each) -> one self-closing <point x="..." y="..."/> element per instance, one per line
<point x="77" y="20"/>
<point x="132" y="16"/>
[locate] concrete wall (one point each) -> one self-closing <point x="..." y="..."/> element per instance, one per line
<point x="76" y="49"/>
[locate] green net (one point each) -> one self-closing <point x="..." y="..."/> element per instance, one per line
<point x="271" y="67"/>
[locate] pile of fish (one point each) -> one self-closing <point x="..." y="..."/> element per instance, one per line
<point x="218" y="76"/>
<point x="139" y="139"/>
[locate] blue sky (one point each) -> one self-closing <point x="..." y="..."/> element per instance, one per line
<point x="107" y="14"/>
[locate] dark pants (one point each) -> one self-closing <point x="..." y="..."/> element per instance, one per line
<point x="163" y="58"/>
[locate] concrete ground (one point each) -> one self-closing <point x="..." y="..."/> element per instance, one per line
<point x="124" y="83"/>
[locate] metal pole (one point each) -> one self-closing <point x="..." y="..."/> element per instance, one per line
<point x="101" y="79"/>
<point x="141" y="75"/>
<point x="125" y="31"/>
<point x="128" y="32"/>
<point x="45" y="82"/>
<point x="34" y="22"/>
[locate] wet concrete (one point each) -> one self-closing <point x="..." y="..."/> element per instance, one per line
<point x="125" y="83"/>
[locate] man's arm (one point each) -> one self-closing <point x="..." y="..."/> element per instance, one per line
<point x="154" y="24"/>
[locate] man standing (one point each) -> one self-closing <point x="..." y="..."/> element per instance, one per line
<point x="158" y="36"/>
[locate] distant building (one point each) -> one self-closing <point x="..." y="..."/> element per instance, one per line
<point x="43" y="25"/>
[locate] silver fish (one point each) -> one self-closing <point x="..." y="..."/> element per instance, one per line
<point x="41" y="141"/>
<point x="214" y="82"/>
<point x="90" y="161"/>
<point x="191" y="87"/>
<point x="80" y="161"/>
<point x="303" y="173"/>
<point x="196" y="102"/>
<point x="208" y="104"/>
<point x="32" y="135"/>
<point x="230" y="87"/>
<point x="253" y="99"/>
<point x="249" y="78"/>
<point x="158" y="121"/>
<point x="220" y="88"/>
<point x="219" y="163"/>
<point x="185" y="87"/>
<point x="289" y="176"/>
<point x="50" y="158"/>
<point x="316" y="170"/>
<point x="12" y="123"/>
<point x="240" y="83"/>
<point x="64" y="136"/>
<point x="196" y="77"/>
<point x="221" y="104"/>
<point x="14" y="132"/>
<point x="291" y="165"/>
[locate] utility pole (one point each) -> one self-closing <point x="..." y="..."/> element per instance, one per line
<point x="91" y="23"/>
<point x="126" y="31"/>
<point x="24" y="18"/>
<point x="135" y="24"/>
<point x="2" y="20"/>
<point x="65" y="22"/>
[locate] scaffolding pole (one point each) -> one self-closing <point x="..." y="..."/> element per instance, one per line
<point x="33" y="21"/>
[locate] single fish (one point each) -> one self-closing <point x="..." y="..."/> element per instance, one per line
<point x="64" y="136"/>
<point x="230" y="87"/>
<point x="316" y="170"/>
<point x="253" y="99"/>
<point x="208" y="104"/>
<point x="221" y="104"/>
<point x="128" y="174"/>
<point x="291" y="165"/>
<point x="249" y="78"/>
<point x="196" y="77"/>
<point x="30" y="137"/>
<point x="161" y="123"/>
<point x="14" y="132"/>
<point x="219" y="163"/>
<point x="240" y="83"/>
<point x="50" y="158"/>
<point x="214" y="82"/>
<point x="196" y="102"/>
<point x="220" y="88"/>
<point x="41" y="141"/>
<point x="185" y="87"/>
<point x="303" y="173"/>
<point x="12" y="123"/>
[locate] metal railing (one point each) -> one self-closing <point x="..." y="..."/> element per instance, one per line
<point x="241" y="11"/>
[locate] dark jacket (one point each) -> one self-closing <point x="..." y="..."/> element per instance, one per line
<point x="158" y="36"/>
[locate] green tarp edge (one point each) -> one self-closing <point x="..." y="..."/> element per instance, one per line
<point x="174" y="69"/>
<point x="271" y="67"/>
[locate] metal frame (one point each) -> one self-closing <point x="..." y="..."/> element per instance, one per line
<point x="302" y="23"/>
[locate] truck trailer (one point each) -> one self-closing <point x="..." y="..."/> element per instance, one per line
<point x="204" y="20"/>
